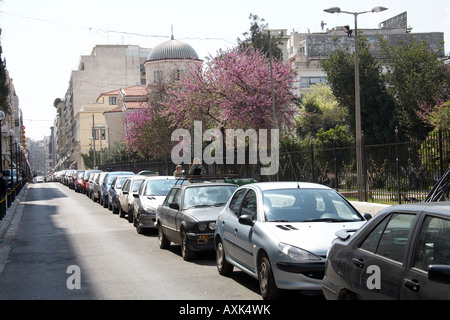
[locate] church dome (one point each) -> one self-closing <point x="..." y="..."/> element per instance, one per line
<point x="172" y="49"/>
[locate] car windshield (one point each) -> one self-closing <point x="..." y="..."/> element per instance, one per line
<point x="158" y="187"/>
<point x="210" y="195"/>
<point x="136" y="184"/>
<point x="307" y="205"/>
<point x="119" y="182"/>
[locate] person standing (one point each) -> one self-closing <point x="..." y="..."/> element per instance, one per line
<point x="178" y="172"/>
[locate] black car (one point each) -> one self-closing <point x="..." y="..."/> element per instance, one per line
<point x="401" y="253"/>
<point x="188" y="216"/>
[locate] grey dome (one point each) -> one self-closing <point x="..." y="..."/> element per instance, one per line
<point x="172" y="49"/>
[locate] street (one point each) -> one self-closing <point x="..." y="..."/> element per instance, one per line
<point x="68" y="247"/>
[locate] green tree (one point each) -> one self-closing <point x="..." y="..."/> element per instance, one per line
<point x="377" y="106"/>
<point x="319" y="109"/>
<point x="4" y="86"/>
<point x="417" y="75"/>
<point x="258" y="37"/>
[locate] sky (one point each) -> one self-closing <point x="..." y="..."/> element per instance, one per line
<point x="44" y="40"/>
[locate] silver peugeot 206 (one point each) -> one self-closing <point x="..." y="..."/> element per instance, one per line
<point x="279" y="233"/>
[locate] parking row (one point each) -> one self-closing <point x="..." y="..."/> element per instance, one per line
<point x="287" y="235"/>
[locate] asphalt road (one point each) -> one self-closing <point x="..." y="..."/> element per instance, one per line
<point x="64" y="246"/>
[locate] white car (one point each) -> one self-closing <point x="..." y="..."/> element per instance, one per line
<point x="126" y="198"/>
<point x="150" y="196"/>
<point x="279" y="233"/>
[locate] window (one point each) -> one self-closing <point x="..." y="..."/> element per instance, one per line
<point x="390" y="237"/>
<point x="433" y="246"/>
<point x="237" y="200"/>
<point x="112" y="101"/>
<point x="172" y="196"/>
<point x="249" y="204"/>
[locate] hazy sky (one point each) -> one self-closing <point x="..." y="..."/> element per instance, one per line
<point x="43" y="40"/>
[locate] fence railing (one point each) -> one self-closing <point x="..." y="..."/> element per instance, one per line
<point x="393" y="172"/>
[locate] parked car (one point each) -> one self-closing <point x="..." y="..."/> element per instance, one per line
<point x="126" y="198"/>
<point x="441" y="189"/>
<point x="188" y="216"/>
<point x="78" y="180"/>
<point x="71" y="179"/>
<point x="279" y="233"/>
<point x="107" y="183"/>
<point x="113" y="192"/>
<point x="149" y="197"/>
<point x="87" y="175"/>
<point x="11" y="175"/>
<point x="97" y="190"/>
<point x="90" y="183"/>
<point x="402" y="253"/>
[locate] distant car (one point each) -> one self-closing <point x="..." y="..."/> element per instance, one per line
<point x="150" y="196"/>
<point x="79" y="181"/>
<point x="107" y="183"/>
<point x="113" y="192"/>
<point x="97" y="189"/>
<point x="279" y="233"/>
<point x="86" y="187"/>
<point x="126" y="198"/>
<point x="40" y="179"/>
<point x="188" y="216"/>
<point x="402" y="253"/>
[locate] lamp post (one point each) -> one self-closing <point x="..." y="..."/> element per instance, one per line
<point x="11" y="134"/>
<point x="2" y="117"/>
<point x="359" y="157"/>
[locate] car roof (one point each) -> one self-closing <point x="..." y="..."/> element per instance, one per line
<point x="428" y="207"/>
<point x="204" y="184"/>
<point x="158" y="177"/>
<point x="276" y="185"/>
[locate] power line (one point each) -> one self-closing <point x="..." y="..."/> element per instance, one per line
<point x="90" y="29"/>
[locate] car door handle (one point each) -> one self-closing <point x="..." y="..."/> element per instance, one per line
<point x="236" y="229"/>
<point x="411" y="284"/>
<point x="358" y="262"/>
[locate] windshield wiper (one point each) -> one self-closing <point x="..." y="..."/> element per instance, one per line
<point x="329" y="220"/>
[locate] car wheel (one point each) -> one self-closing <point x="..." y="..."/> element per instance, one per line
<point x="121" y="212"/>
<point x="267" y="285"/>
<point x="139" y="229"/>
<point x="130" y="215"/>
<point x="186" y="252"/>
<point x="164" y="243"/>
<point x="223" y="266"/>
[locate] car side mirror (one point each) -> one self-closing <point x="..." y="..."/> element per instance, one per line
<point x="439" y="273"/>
<point x="174" y="205"/>
<point x="367" y="216"/>
<point x="246" y="220"/>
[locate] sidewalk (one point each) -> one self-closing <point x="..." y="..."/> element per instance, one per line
<point x="8" y="219"/>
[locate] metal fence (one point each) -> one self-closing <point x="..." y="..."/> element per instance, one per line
<point x="401" y="171"/>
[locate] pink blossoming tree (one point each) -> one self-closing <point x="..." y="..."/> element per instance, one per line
<point x="232" y="91"/>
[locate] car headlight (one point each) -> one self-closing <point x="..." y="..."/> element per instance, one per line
<point x="211" y="226"/>
<point x="297" y="253"/>
<point x="150" y="210"/>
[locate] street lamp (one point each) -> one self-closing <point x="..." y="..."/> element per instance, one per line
<point x="359" y="164"/>
<point x="2" y="117"/>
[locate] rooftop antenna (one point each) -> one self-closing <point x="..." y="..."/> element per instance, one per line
<point x="171" y="37"/>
